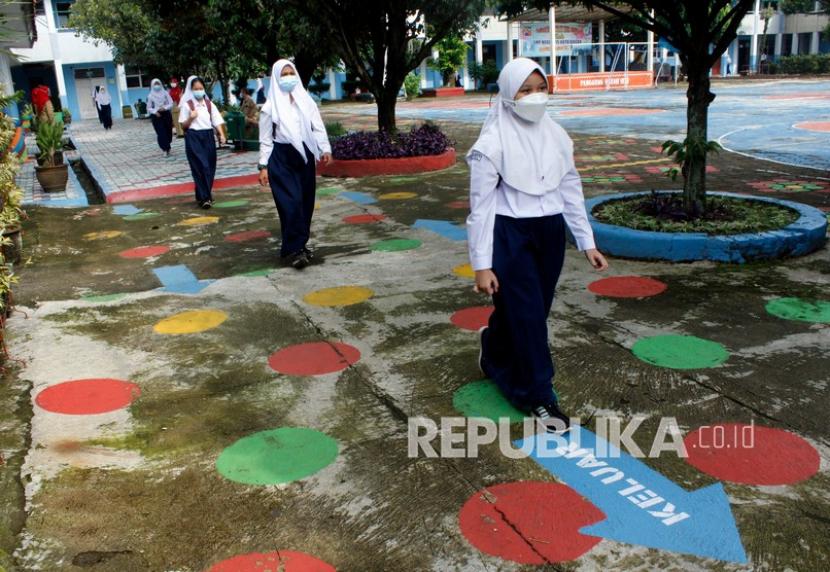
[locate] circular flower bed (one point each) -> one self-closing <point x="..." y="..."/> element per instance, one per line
<point x="360" y="154"/>
<point x="740" y="228"/>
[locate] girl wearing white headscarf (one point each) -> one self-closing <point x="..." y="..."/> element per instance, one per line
<point x="200" y="118"/>
<point x="104" y="101"/>
<point x="159" y="106"/>
<point x="524" y="189"/>
<point x="97" y="105"/>
<point x="292" y="137"/>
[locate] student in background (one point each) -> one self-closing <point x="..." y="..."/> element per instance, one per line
<point x="105" y="101"/>
<point x="176" y="94"/>
<point x="201" y="119"/>
<point x="292" y="137"/>
<point x="97" y="105"/>
<point x="159" y="106"/>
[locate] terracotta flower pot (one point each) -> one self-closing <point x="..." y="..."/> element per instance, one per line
<point x="52" y="179"/>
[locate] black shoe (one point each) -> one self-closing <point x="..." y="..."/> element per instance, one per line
<point x="552" y="418"/>
<point x="206" y="204"/>
<point x="481" y="331"/>
<point x="308" y="253"/>
<point x="299" y="260"/>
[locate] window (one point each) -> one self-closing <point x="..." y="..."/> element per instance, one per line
<point x="88" y="73"/>
<point x="136" y="78"/>
<point x="804" y="41"/>
<point x="786" y="44"/>
<point x="62" y="11"/>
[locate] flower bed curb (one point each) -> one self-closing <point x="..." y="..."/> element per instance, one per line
<point x="443" y="92"/>
<point x="804" y="236"/>
<point x="393" y="166"/>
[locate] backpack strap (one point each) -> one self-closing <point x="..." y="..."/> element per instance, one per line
<point x="192" y="106"/>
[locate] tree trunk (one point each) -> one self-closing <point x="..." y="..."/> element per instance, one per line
<point x="697" y="120"/>
<point x="386" y="110"/>
<point x="306" y="64"/>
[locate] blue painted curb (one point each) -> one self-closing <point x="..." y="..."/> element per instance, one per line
<point x="804" y="236"/>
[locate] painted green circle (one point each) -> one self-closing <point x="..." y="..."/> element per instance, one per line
<point x="401" y="180"/>
<point x="277" y="456"/>
<point x="680" y="352"/>
<point x="258" y="272"/>
<point x="483" y="399"/>
<point x="801" y="310"/>
<point x="230" y="204"/>
<point x="396" y="244"/>
<point x="102" y="298"/>
<point x="328" y="191"/>
<point x="142" y="216"/>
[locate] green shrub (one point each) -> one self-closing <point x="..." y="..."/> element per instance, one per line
<point x="335" y="129"/>
<point x="803" y="64"/>
<point x="412" y="85"/>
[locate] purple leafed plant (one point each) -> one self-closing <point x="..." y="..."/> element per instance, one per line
<point x="424" y="140"/>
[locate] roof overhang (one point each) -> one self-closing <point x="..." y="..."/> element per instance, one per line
<point x="569" y="13"/>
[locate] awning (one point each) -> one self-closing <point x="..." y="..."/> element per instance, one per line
<point x="568" y="14"/>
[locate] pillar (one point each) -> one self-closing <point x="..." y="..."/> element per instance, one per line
<point x="794" y="50"/>
<point x="552" y="25"/>
<point x="332" y="84"/>
<point x="423" y="74"/>
<point x="779" y="40"/>
<point x="509" y="41"/>
<point x="479" y="47"/>
<point x="756" y="29"/>
<point x="650" y="55"/>
<point x="602" y="45"/>
<point x="814" y="43"/>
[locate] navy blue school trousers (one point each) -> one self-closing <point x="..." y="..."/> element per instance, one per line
<point x="200" y="148"/>
<point x="294" y="186"/>
<point x="527" y="259"/>
<point x="163" y="124"/>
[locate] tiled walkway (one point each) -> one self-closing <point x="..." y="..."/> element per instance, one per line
<point x="127" y="158"/>
<point x="33" y="193"/>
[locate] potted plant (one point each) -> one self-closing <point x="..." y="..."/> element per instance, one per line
<point x="52" y="172"/>
<point x="11" y="244"/>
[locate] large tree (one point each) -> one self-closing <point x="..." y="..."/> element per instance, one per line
<point x="700" y="30"/>
<point x="383" y="40"/>
<point x="213" y="38"/>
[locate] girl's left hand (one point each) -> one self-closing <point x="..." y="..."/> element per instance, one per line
<point x="596" y="259"/>
<point x="222" y="140"/>
<point x="326" y="158"/>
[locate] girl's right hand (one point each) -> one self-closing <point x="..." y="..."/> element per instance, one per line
<point x="194" y="114"/>
<point x="486" y="282"/>
<point x="263" y="177"/>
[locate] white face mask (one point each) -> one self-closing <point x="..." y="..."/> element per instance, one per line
<point x="530" y="107"/>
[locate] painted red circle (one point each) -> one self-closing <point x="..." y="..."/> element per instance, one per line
<point x="144" y="251"/>
<point x="459" y="205"/>
<point x="751" y="454"/>
<point x="284" y="561"/>
<point x="821" y="126"/>
<point x="472" y="318"/>
<point x="627" y="287"/>
<point x="247" y="235"/>
<point x="314" y="358"/>
<point x="529" y="522"/>
<point x="363" y="218"/>
<point x="87" y="396"/>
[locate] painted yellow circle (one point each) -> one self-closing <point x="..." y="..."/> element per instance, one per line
<point x="399" y="196"/>
<point x="190" y="322"/>
<point x="338" y="296"/>
<point x="199" y="220"/>
<point x="465" y="271"/>
<point x="102" y="234"/>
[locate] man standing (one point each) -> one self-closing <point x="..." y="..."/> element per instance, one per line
<point x="176" y="95"/>
<point x="251" y="113"/>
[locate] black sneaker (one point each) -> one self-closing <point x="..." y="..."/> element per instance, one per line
<point x="552" y="418"/>
<point x="481" y="331"/>
<point x="299" y="260"/>
<point x="308" y="253"/>
<point x="207" y="204"/>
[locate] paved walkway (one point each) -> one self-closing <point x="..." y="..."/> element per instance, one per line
<point x="185" y="403"/>
<point x="33" y="193"/>
<point x="127" y="162"/>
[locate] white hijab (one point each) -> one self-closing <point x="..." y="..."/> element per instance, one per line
<point x="103" y="96"/>
<point x="279" y="105"/>
<point x="159" y="98"/>
<point x="530" y="157"/>
<point x="188" y="92"/>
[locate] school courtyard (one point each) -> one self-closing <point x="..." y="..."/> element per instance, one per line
<point x="175" y="398"/>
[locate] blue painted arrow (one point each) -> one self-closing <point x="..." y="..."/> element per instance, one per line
<point x="179" y="279"/>
<point x="642" y="506"/>
<point x="125" y="210"/>
<point x="443" y="227"/>
<point x="360" y="198"/>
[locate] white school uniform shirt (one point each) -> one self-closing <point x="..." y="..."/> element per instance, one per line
<point x="489" y="196"/>
<point x="205" y="120"/>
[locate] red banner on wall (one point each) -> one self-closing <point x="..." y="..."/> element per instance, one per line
<point x="600" y="81"/>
